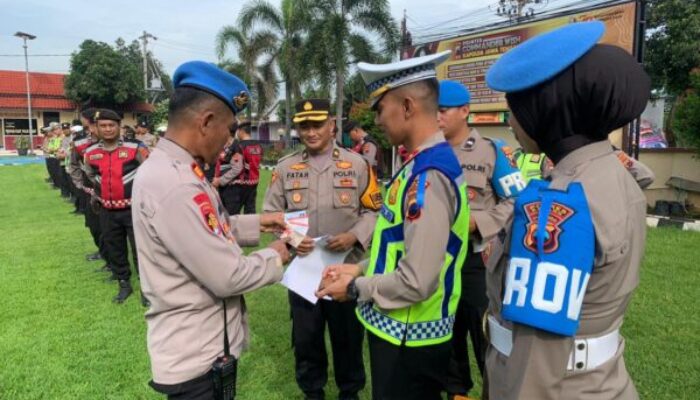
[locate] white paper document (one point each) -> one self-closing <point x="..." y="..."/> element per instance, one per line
<point x="303" y="276"/>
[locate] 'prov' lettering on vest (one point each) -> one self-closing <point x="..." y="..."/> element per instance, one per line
<point x="552" y="254"/>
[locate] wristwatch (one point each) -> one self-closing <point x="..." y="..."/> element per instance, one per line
<point x="352" y="293"/>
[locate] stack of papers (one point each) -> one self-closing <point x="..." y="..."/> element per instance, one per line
<point x="303" y="276"/>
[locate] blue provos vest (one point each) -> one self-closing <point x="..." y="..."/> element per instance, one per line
<point x="551" y="258"/>
<point x="507" y="180"/>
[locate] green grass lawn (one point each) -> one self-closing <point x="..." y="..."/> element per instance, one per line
<point x="61" y="337"/>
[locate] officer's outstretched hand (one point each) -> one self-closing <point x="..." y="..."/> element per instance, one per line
<point x="281" y="248"/>
<point x="333" y="272"/>
<point x="306" y="246"/>
<point x="337" y="289"/>
<point x="272" y="222"/>
<point x="342" y="242"/>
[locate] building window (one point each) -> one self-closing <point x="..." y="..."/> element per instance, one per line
<point x="50" y="116"/>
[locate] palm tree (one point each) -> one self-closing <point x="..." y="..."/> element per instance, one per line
<point x="287" y="24"/>
<point x="260" y="77"/>
<point x="341" y="26"/>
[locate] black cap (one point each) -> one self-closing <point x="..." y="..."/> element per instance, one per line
<point x="349" y="125"/>
<point x="312" y="110"/>
<point x="89" y="114"/>
<point x="106" y="114"/>
<point x="65" y="125"/>
<point x="143" y="124"/>
<point x="76" y="122"/>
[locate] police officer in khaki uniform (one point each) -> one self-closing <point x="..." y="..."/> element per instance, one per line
<point x="558" y="300"/>
<point x="364" y="144"/>
<point x="408" y="296"/>
<point x="192" y="269"/>
<point x="339" y="190"/>
<point x="143" y="134"/>
<point x="493" y="183"/>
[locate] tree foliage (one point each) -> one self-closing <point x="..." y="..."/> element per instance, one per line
<point x="100" y="74"/>
<point x="686" y="122"/>
<point x="259" y="75"/>
<point x="362" y="114"/>
<point x="672" y="46"/>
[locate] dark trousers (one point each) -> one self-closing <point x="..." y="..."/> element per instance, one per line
<point x="405" y="373"/>
<point x="65" y="182"/>
<point x="94" y="223"/>
<point x="239" y="197"/>
<point x="200" y="388"/>
<point x="117" y="228"/>
<point x="311" y="359"/>
<point x="468" y="323"/>
<point x="53" y="166"/>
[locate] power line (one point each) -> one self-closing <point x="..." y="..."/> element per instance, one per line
<point x="36" y="55"/>
<point x="496" y="22"/>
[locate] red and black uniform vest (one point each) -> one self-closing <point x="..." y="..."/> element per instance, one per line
<point x="81" y="142"/>
<point x="252" y="153"/>
<point x="115" y="171"/>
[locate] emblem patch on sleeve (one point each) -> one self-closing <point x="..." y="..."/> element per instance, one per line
<point x="415" y="198"/>
<point x="211" y="221"/>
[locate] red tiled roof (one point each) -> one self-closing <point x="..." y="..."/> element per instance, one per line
<point x="39" y="103"/>
<point x="14" y="82"/>
<point x="47" y="93"/>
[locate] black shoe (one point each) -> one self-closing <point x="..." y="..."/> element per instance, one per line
<point x="104" y="268"/>
<point x="125" y="291"/>
<point x="75" y="212"/>
<point x="94" y="256"/>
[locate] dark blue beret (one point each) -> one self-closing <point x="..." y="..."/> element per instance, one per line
<point x="209" y="78"/>
<point x="541" y="58"/>
<point x="453" y="94"/>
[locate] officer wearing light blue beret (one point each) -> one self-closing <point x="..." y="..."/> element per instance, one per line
<point x="192" y="269"/>
<point x="558" y="300"/>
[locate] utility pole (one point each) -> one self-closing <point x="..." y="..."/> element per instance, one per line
<point x="144" y="43"/>
<point x="24" y="36"/>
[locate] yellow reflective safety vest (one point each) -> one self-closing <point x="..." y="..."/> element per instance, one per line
<point x="430" y="321"/>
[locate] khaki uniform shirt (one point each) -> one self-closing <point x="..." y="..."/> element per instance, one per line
<point x="190" y="259"/>
<point x="537" y="366"/>
<point x="640" y="172"/>
<point x="425" y="238"/>
<point x="369" y="152"/>
<point x="491" y="214"/>
<point x="343" y="196"/>
<point x="148" y="139"/>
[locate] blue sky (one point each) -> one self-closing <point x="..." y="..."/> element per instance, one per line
<point x="186" y="29"/>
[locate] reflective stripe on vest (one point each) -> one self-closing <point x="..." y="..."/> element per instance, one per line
<point x="531" y="165"/>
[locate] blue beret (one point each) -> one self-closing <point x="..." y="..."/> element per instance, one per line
<point x="209" y="78"/>
<point x="541" y="58"/>
<point x="453" y="94"/>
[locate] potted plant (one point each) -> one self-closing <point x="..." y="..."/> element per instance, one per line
<point x="22" y="145"/>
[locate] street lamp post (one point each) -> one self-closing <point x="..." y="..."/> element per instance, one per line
<point x="25" y="37"/>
